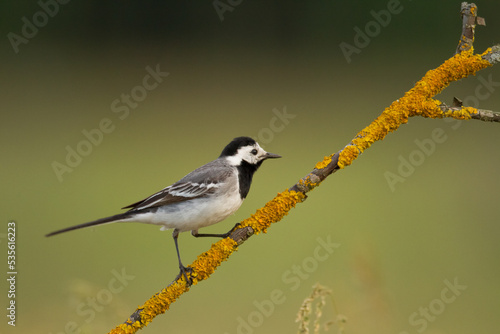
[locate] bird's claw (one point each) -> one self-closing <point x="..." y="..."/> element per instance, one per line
<point x="183" y="272"/>
<point x="225" y="235"/>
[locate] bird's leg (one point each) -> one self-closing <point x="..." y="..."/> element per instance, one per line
<point x="183" y="269"/>
<point x="223" y="235"/>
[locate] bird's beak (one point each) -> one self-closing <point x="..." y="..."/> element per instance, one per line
<point x="270" y="156"/>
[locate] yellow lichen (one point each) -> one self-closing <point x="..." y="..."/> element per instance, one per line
<point x="273" y="211"/>
<point x="325" y="162"/>
<point x="126" y="328"/>
<point x="464" y="113"/>
<point x="347" y="156"/>
<point x="207" y="262"/>
<point x="306" y="184"/>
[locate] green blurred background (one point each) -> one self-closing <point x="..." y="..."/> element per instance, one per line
<point x="397" y="247"/>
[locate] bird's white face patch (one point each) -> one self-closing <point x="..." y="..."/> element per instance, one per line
<point x="251" y="154"/>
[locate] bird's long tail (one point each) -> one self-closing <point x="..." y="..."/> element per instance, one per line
<point x="112" y="219"/>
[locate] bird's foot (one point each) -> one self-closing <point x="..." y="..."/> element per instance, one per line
<point x="225" y="235"/>
<point x="183" y="272"/>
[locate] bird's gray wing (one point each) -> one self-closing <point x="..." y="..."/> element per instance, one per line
<point x="200" y="182"/>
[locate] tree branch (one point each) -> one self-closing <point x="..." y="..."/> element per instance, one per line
<point x="418" y="101"/>
<point x="479" y="114"/>
<point x="493" y="55"/>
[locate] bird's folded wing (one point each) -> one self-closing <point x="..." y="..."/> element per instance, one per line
<point x="175" y="193"/>
<point x="201" y="182"/>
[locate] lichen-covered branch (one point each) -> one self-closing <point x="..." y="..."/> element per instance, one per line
<point x="418" y="101"/>
<point x="492" y="55"/>
<point x="479" y="114"/>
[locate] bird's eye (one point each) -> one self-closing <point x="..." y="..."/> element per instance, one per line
<point x="254" y="151"/>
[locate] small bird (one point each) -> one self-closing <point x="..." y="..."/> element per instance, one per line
<point x="204" y="197"/>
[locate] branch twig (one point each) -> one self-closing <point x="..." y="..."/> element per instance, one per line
<point x="416" y="102"/>
<point x="469" y="19"/>
<point x="480" y="114"/>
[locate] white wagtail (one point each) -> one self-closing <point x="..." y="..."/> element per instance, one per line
<point x="203" y="197"/>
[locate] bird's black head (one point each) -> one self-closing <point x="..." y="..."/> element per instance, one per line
<point x="232" y="148"/>
<point x="245" y="149"/>
<point x="246" y="155"/>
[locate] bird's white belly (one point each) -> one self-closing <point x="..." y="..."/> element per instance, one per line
<point x="193" y="214"/>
